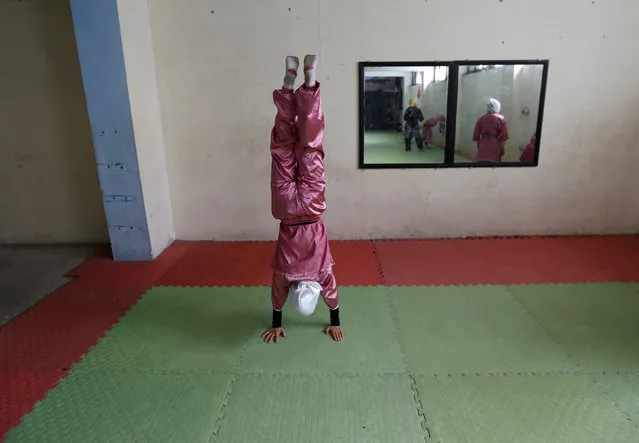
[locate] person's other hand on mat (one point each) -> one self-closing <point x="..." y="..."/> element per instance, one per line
<point x="335" y="332"/>
<point x="273" y="334"/>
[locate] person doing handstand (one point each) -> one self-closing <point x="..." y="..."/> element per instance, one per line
<point x="302" y="265"/>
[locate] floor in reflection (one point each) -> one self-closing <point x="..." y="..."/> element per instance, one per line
<point x="387" y="147"/>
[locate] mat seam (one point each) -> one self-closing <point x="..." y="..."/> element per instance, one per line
<point x="229" y="392"/>
<point x="612" y="400"/>
<point x="106" y="331"/>
<point x="65" y="374"/>
<point x="506" y="237"/>
<point x="421" y="413"/>
<point x="552" y="338"/>
<point x="545" y="283"/>
<point x="109" y="329"/>
<point x="378" y="262"/>
<point x="350" y="374"/>
<point x="263" y="286"/>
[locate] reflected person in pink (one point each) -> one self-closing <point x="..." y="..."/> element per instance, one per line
<point x="427" y="129"/>
<point x="302" y="258"/>
<point x="528" y="154"/>
<point x="491" y="134"/>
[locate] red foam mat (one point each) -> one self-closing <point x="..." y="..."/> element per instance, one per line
<point x="38" y="347"/>
<point x="509" y="261"/>
<point x="56" y="332"/>
<point x="247" y="264"/>
<point x="222" y="264"/>
<point x="355" y="263"/>
<point x="103" y="270"/>
<point x="19" y="391"/>
<point x="608" y="258"/>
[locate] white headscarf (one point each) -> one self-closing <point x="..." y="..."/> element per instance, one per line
<point x="304" y="296"/>
<point x="493" y="106"/>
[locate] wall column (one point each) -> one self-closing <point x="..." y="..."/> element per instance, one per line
<point x="118" y="71"/>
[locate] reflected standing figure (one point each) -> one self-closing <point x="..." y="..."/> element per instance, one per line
<point x="413" y="117"/>
<point x="491" y="134"/>
<point x="528" y="154"/>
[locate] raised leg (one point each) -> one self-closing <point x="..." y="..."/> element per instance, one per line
<point x="284" y="139"/>
<point x="310" y="149"/>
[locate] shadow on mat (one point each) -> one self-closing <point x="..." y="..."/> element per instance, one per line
<point x="193" y="326"/>
<point x="183" y="323"/>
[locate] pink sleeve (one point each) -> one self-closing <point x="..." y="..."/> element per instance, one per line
<point x="503" y="131"/>
<point x="329" y="289"/>
<point x="477" y="132"/>
<point x="279" y="291"/>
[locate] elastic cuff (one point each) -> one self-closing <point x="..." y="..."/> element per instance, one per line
<point x="312" y="88"/>
<point x="277" y="319"/>
<point x="335" y="316"/>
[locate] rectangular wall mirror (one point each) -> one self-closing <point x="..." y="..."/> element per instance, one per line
<point x="451" y="114"/>
<point x="403" y="114"/>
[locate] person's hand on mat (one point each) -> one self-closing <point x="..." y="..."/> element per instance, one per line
<point x="335" y="332"/>
<point x="273" y="334"/>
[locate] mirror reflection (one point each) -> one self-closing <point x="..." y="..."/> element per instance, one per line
<point x="497" y="113"/>
<point x="404" y="114"/>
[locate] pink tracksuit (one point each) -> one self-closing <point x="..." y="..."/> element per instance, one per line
<point x="529" y="152"/>
<point x="490" y="134"/>
<point x="427" y="129"/>
<point x="297" y="195"/>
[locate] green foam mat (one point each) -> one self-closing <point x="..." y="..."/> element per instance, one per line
<point x="597" y="324"/>
<point x="370" y="342"/>
<point x="176" y="328"/>
<point x="539" y="409"/>
<point x="188" y="365"/>
<point x="312" y="408"/>
<point x="472" y="329"/>
<point x="623" y="389"/>
<point x="98" y="406"/>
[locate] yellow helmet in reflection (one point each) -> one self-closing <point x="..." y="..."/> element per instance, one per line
<point x="413" y="102"/>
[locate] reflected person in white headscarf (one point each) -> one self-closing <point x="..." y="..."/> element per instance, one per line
<point x="490" y="133"/>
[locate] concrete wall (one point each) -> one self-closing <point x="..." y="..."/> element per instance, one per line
<point x="521" y="127"/>
<point x="47" y="166"/>
<point x="139" y="60"/>
<point x="217" y="65"/>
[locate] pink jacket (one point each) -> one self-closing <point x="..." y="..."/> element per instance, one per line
<point x="298" y="185"/>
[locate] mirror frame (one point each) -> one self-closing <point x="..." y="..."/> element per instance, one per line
<point x="451" y="113"/>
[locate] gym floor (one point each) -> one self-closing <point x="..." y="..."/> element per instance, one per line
<point x="475" y="340"/>
<point x="388" y="147"/>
